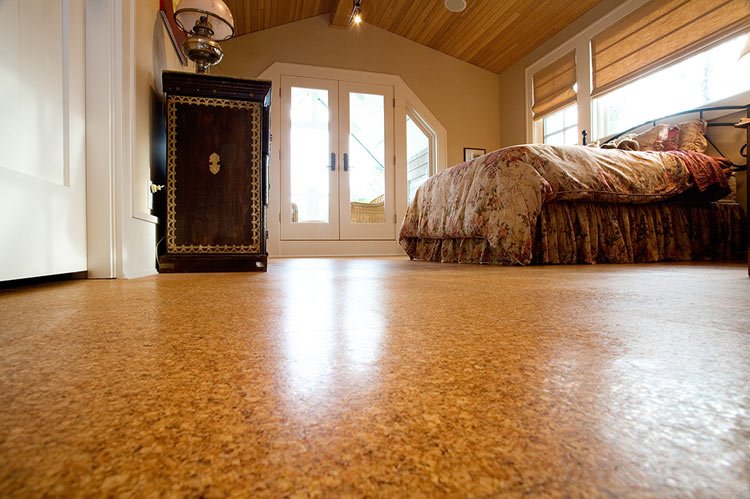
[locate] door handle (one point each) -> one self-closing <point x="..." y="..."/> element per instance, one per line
<point x="346" y="162"/>
<point x="332" y="165"/>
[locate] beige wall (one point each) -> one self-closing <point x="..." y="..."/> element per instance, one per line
<point x="462" y="96"/>
<point x="512" y="82"/>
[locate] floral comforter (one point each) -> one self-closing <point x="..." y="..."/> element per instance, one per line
<point x="498" y="196"/>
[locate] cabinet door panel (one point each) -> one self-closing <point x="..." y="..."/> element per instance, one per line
<point x="215" y="200"/>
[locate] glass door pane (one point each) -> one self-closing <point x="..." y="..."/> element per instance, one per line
<point x="309" y="178"/>
<point x="310" y="155"/>
<point x="366" y="183"/>
<point x="418" y="158"/>
<point x="366" y="158"/>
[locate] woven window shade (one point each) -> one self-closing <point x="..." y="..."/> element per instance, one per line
<point x="553" y="86"/>
<point x="659" y="33"/>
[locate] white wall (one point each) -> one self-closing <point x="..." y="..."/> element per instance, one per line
<point x="151" y="51"/>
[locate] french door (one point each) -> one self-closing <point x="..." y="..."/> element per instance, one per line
<point x="337" y="160"/>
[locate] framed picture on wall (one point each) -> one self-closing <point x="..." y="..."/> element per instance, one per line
<point x="166" y="11"/>
<point x="472" y="153"/>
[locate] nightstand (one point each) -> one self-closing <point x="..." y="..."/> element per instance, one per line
<point x="217" y="174"/>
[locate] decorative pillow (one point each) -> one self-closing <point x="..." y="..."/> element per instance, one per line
<point x="692" y="136"/>
<point x="673" y="139"/>
<point x="628" y="145"/>
<point x="687" y="136"/>
<point x="653" y="138"/>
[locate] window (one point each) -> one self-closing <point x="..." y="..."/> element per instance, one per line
<point x="561" y="128"/>
<point x="707" y="77"/>
<point x="554" y="86"/>
<point x="419" y="155"/>
<point x="554" y="94"/>
<point x="643" y="60"/>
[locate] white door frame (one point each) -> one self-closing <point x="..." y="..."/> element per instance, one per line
<point x="103" y="57"/>
<point x="404" y="97"/>
<point x="121" y="237"/>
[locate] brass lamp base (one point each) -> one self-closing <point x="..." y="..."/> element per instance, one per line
<point x="204" y="51"/>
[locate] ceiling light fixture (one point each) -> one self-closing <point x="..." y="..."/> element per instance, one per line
<point x="455" y="5"/>
<point x="356" y="17"/>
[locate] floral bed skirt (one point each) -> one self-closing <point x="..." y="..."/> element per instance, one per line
<point x="569" y="232"/>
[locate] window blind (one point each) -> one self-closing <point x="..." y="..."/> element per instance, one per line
<point x="659" y="33"/>
<point x="553" y="86"/>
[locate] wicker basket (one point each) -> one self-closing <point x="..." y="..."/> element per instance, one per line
<point x="369" y="213"/>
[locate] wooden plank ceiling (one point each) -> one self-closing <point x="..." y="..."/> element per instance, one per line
<point x="491" y="34"/>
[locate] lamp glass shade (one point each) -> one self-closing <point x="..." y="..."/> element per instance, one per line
<point x="189" y="12"/>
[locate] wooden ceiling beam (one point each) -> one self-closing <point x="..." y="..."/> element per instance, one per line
<point x="340" y="12"/>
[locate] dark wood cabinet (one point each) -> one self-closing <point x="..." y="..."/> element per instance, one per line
<point x="214" y="218"/>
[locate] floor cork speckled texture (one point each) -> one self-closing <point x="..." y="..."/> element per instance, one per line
<point x="381" y="378"/>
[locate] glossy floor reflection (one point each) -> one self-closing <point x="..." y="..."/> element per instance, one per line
<point x="380" y="377"/>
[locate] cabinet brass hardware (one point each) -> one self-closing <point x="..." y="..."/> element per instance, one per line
<point x="155" y="188"/>
<point x="214" y="164"/>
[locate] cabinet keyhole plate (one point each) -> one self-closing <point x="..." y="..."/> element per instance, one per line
<point x="214" y="164"/>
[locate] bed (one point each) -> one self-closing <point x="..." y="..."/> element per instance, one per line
<point x="543" y="204"/>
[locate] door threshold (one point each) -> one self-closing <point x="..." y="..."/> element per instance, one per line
<point x="340" y="248"/>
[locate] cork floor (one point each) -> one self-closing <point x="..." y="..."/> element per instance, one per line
<point x="380" y="378"/>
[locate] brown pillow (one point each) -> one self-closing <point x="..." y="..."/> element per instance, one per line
<point x="692" y="136"/>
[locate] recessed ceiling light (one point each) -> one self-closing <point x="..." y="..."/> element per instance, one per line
<point x="455" y="5"/>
